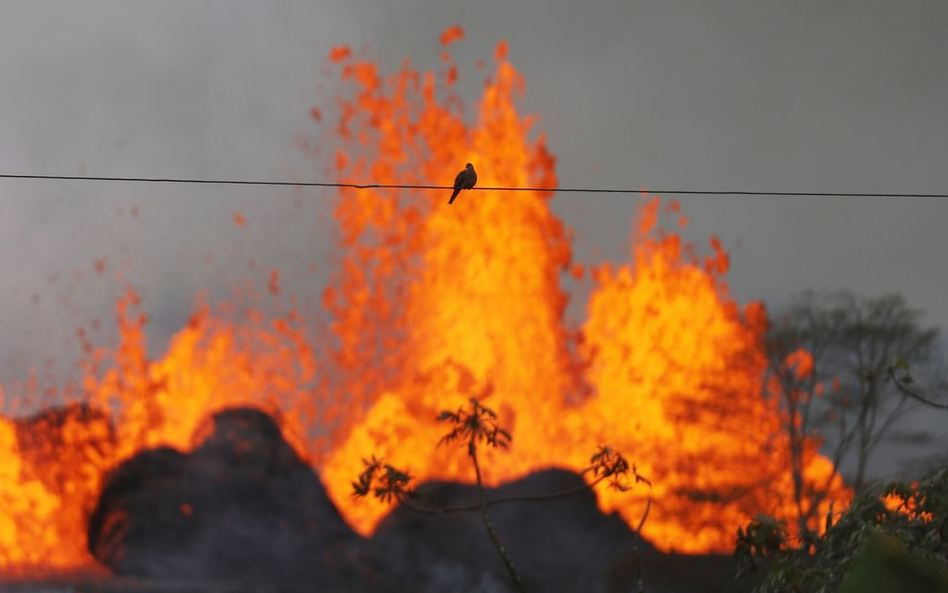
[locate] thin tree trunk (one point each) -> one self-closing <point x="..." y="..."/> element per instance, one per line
<point x="485" y="517"/>
<point x="858" y="483"/>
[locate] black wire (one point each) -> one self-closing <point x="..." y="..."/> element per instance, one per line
<point x="588" y="190"/>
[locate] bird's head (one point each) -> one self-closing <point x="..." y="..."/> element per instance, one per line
<point x="469" y="166"/>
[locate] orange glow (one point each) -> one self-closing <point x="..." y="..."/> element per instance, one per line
<point x="51" y="474"/>
<point x="908" y="505"/>
<point x="339" y="52"/>
<point x="801" y="361"/>
<point x="434" y="304"/>
<point x="677" y="366"/>
<point x="27" y="510"/>
<point x="431" y="305"/>
<point x="452" y="34"/>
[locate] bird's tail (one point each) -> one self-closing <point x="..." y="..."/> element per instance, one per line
<point x="454" y="195"/>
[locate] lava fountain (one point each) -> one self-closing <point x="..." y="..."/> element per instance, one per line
<point x="443" y="303"/>
<point x="432" y="304"/>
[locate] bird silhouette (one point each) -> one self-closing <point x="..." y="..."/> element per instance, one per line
<point x="464" y="180"/>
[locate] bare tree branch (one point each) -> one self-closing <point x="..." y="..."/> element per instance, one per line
<point x="914" y="394"/>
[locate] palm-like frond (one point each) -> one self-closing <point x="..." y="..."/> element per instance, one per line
<point x="475" y="424"/>
<point x="384" y="481"/>
<point x="609" y="464"/>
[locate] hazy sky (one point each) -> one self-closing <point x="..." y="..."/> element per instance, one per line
<point x="809" y="95"/>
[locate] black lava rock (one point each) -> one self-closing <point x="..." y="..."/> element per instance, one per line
<point x="242" y="507"/>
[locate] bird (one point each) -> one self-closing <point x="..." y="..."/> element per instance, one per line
<point x="464" y="180"/>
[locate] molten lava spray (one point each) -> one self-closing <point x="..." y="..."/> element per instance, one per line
<point x="432" y="305"/>
<point x="444" y="303"/>
<point x="53" y="464"/>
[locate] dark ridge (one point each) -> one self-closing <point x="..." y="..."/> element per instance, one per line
<point x="242" y="507"/>
<point x="245" y="511"/>
<point x="565" y="544"/>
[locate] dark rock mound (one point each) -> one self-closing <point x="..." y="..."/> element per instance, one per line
<point x="563" y="545"/>
<point x="241" y="507"/>
<point x="244" y="508"/>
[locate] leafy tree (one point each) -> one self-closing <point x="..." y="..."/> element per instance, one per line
<point x="474" y="426"/>
<point x="831" y="357"/>
<point x="901" y="377"/>
<point x="892" y="539"/>
<point x="880" y="332"/>
<point x="801" y="346"/>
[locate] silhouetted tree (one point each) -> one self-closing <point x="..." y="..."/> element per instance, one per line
<point x="801" y="345"/>
<point x="477" y="425"/>
<point x="893" y="538"/>
<point x="831" y="359"/>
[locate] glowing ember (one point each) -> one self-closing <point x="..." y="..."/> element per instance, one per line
<point x="431" y="305"/>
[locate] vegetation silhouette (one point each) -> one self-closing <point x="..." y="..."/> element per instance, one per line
<point x="477" y="425"/>
<point x="893" y="538"/>
<point x="838" y="363"/>
<point x="894" y="535"/>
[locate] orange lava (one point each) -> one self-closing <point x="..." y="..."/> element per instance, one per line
<point x="431" y="305"/>
<point x="50" y="473"/>
<point x="434" y="304"/>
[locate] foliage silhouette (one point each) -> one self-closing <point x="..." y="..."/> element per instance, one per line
<point x="475" y="425"/>
<point x="901" y="376"/>
<point x="894" y="537"/>
<point x="839" y="365"/>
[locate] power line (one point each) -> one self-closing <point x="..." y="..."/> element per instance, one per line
<point x="586" y="190"/>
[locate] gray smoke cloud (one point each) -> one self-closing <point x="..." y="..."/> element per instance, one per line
<point x="843" y="96"/>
